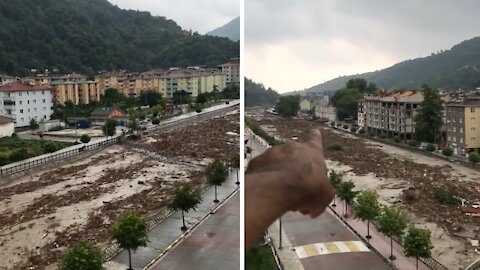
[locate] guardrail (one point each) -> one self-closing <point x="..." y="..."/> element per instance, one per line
<point x="26" y="165"/>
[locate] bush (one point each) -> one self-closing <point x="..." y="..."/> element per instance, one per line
<point x="413" y="143"/>
<point x="474" y="157"/>
<point x="228" y="102"/>
<point x="14" y="135"/>
<point x="371" y="134"/>
<point x="156" y="121"/>
<point x="85" y="138"/>
<point x="396" y="139"/>
<point x="431" y="147"/>
<point x="3" y="160"/>
<point x="18" y="155"/>
<point x="382" y="136"/>
<point x="361" y="131"/>
<point x="198" y="110"/>
<point x="332" y="124"/>
<point x="445" y="196"/>
<point x="447" y="151"/>
<point x="345" y="127"/>
<point x="353" y="129"/>
<point x="50" y="147"/>
<point x="334" y="146"/>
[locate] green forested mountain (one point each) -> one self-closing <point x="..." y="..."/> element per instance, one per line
<point x="456" y="68"/>
<point x="92" y="35"/>
<point x="230" y="30"/>
<point x="257" y="95"/>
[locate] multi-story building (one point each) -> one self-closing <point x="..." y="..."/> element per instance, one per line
<point x="25" y="101"/>
<point x="232" y="71"/>
<point x="4" y="79"/>
<point x="79" y="92"/>
<point x="47" y="79"/>
<point x="390" y="113"/>
<point x="463" y="124"/>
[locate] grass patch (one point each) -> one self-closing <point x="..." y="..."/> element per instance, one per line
<point x="14" y="149"/>
<point x="445" y="196"/>
<point x="260" y="258"/>
<point x="255" y="127"/>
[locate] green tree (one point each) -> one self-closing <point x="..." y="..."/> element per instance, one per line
<point x="346" y="193"/>
<point x="335" y="181"/>
<point x="201" y="98"/>
<point x="82" y="256"/>
<point x="216" y="175"/>
<point x="151" y="98"/>
<point x="156" y="121"/>
<point x="288" y="106"/>
<point x="33" y="124"/>
<point x="231" y="92"/>
<point x="130" y="231"/>
<point x="85" y="138"/>
<point x="18" y="155"/>
<point x="3" y="159"/>
<point x="392" y="223"/>
<point x="235" y="164"/>
<point x="417" y="243"/>
<point x="447" y="151"/>
<point x="185" y="199"/>
<point x="367" y="208"/>
<point x="133" y="125"/>
<point x="50" y="147"/>
<point x="181" y="97"/>
<point x="428" y="121"/>
<point x="112" y="97"/>
<point x="109" y="129"/>
<point x="346" y="102"/>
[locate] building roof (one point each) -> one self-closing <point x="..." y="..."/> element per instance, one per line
<point x="19" y="86"/>
<point x="411" y="96"/>
<point x="103" y="112"/>
<point x="471" y="99"/>
<point x="5" y="120"/>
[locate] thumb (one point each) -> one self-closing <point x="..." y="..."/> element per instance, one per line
<point x="315" y="139"/>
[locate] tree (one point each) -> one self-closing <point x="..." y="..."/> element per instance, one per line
<point x="367" y="208"/>
<point x="19" y="155"/>
<point x="82" y="256"/>
<point x="428" y="121"/>
<point x="288" y="106"/>
<point x="346" y="193"/>
<point x="109" y="129"/>
<point x="231" y="92"/>
<point x="130" y="231"/>
<point x="156" y="121"/>
<point x="447" y="151"/>
<point x="111" y="97"/>
<point x="181" y="97"/>
<point x="133" y="125"/>
<point x="216" y="175"/>
<point x="235" y="163"/>
<point x="392" y="222"/>
<point x="185" y="199"/>
<point x="201" y="98"/>
<point x="85" y="138"/>
<point x="33" y="124"/>
<point x="50" y="147"/>
<point x="417" y="243"/>
<point x="346" y="102"/>
<point x="335" y="180"/>
<point x="151" y="98"/>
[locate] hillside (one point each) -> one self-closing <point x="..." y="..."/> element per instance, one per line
<point x="257" y="95"/>
<point x="456" y="68"/>
<point x="92" y="35"/>
<point x="230" y="30"/>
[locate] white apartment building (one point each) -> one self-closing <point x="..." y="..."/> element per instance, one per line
<point x="232" y="70"/>
<point x="25" y="101"/>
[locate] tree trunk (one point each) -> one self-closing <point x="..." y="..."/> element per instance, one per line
<point x="238" y="181"/>
<point x="334" y="197"/>
<point x="130" y="260"/>
<point x="183" y="219"/>
<point x="216" y="200"/>
<point x="346" y="210"/>
<point x="417" y="263"/>
<point x="368" y="230"/>
<point x="391" y="249"/>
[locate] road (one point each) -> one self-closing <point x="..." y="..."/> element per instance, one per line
<point x="322" y="243"/>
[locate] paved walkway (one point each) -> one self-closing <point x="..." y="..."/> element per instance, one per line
<point x="167" y="232"/>
<point x="215" y="244"/>
<point x="380" y="242"/>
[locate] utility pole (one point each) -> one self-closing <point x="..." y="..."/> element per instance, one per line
<point x="280" y="233"/>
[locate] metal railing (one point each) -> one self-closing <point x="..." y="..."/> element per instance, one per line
<point x="26" y="165"/>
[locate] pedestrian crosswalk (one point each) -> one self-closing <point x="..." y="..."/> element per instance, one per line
<point x="330" y="248"/>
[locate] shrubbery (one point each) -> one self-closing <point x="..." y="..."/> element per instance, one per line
<point x="474" y="157"/>
<point x="382" y="136"/>
<point x="156" y="121"/>
<point x="361" y="131"/>
<point x="345" y="127"/>
<point x="255" y="127"/>
<point x="431" y="147"/>
<point x="19" y="155"/>
<point x="85" y="138"/>
<point x="353" y="129"/>
<point x="3" y="160"/>
<point x="445" y="196"/>
<point x="50" y="147"/>
<point x="447" y="151"/>
<point x="413" y="143"/>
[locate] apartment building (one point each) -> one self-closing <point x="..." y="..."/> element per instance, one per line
<point x="48" y="79"/>
<point x="5" y="79"/>
<point x="232" y="71"/>
<point x="390" y="113"/>
<point x="79" y="92"/>
<point x="463" y="124"/>
<point x="23" y="102"/>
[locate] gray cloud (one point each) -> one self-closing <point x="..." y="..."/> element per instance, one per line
<point x="295" y="44"/>
<point x="198" y="15"/>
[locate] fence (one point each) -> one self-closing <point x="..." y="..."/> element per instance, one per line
<point x="53" y="157"/>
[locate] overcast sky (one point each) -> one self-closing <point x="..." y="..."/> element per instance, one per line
<point x="198" y="15"/>
<point x="292" y="45"/>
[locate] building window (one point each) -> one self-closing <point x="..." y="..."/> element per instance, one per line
<point x="22" y="119"/>
<point x="454" y="129"/>
<point x="474" y="139"/>
<point x="460" y="120"/>
<point x="43" y="92"/>
<point x="472" y="118"/>
<point x="34" y="101"/>
<point x="472" y="109"/>
<point x="449" y="138"/>
<point x="454" y="120"/>
<point x="473" y="129"/>
<point x="454" y="139"/>
<point x="34" y="109"/>
<point x="28" y="101"/>
<point x="20" y="94"/>
<point x="461" y="140"/>
<point x="461" y="130"/>
<point x="44" y="100"/>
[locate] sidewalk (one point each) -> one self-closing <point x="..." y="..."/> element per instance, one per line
<point x="168" y="231"/>
<point x="380" y="242"/>
<point x="288" y="258"/>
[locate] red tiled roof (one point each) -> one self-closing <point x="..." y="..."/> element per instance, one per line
<point x="20" y="86"/>
<point x="5" y="120"/>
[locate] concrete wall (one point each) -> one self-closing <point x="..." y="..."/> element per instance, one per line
<point x="6" y="130"/>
